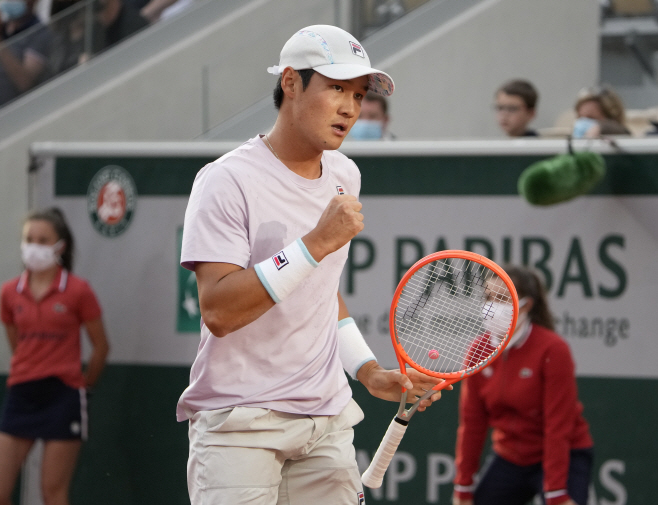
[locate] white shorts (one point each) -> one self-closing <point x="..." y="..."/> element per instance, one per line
<point x="256" y="456"/>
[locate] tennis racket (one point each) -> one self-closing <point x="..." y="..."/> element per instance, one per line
<point x="452" y="315"/>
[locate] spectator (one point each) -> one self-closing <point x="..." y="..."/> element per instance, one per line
<point x="541" y="442"/>
<point x="120" y="20"/>
<point x="599" y="111"/>
<point x="42" y="311"/>
<point x="373" y="119"/>
<point x="516" y="103"/>
<point x="24" y="59"/>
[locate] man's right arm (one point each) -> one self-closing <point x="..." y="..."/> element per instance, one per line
<point x="231" y="297"/>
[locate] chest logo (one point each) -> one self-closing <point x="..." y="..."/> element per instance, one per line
<point x="340" y="190"/>
<point x="280" y="260"/>
<point x="525" y="373"/>
<point x="487" y="372"/>
<point x="111" y="200"/>
<point x="59" y="308"/>
<point x="361" y="499"/>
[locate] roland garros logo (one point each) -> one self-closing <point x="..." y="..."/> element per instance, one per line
<point x="111" y="200"/>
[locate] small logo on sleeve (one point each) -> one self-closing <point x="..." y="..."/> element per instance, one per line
<point x="340" y="190"/>
<point x="357" y="49"/>
<point x="280" y="260"/>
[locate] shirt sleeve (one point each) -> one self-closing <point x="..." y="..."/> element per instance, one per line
<point x="216" y="223"/>
<point x="6" y="314"/>
<point x="560" y="414"/>
<point x="471" y="434"/>
<point x="88" y="306"/>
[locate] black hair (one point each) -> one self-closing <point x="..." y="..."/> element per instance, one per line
<point x="527" y="283"/>
<point x="523" y="89"/>
<point x="56" y="218"/>
<point x="305" y="74"/>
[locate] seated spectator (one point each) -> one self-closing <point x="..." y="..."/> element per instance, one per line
<point x="154" y="10"/>
<point x="24" y="59"/>
<point x="119" y="18"/>
<point x="599" y="111"/>
<point x="373" y="119"/>
<point x="516" y="103"/>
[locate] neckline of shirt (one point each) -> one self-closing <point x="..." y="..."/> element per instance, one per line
<point x="286" y="172"/>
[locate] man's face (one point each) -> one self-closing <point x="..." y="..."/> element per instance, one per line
<point x="512" y="114"/>
<point x="373" y="111"/>
<point x="327" y="109"/>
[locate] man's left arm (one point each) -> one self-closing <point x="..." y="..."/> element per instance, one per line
<point x="361" y="364"/>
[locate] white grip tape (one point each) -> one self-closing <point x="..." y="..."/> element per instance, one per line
<point x="284" y="271"/>
<point x="374" y="475"/>
<point x="352" y="348"/>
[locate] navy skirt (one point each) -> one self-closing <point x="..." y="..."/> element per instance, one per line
<point x="47" y="409"/>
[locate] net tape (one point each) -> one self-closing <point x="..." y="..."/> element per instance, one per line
<point x="454" y="306"/>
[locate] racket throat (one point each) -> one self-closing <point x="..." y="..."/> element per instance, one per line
<point x="402" y="414"/>
<point x="403" y="422"/>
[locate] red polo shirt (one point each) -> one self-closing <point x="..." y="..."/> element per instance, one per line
<point x="529" y="397"/>
<point x="48" y="330"/>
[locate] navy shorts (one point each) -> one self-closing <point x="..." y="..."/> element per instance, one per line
<point x="504" y="483"/>
<point x="45" y="408"/>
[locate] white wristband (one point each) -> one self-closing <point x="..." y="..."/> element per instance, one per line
<point x="284" y="271"/>
<point x="554" y="494"/>
<point x="352" y="348"/>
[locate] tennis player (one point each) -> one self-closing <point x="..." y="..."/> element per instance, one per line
<point x="267" y="231"/>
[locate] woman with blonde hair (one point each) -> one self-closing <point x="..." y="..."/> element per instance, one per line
<point x="599" y="111"/>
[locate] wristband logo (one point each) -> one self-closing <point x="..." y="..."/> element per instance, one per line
<point x="280" y="260"/>
<point x="340" y="190"/>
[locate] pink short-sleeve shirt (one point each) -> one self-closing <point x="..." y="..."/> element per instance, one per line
<point x="244" y="208"/>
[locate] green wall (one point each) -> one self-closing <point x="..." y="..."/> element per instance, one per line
<point x="137" y="452"/>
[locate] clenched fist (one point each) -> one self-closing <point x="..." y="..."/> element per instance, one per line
<point x="338" y="224"/>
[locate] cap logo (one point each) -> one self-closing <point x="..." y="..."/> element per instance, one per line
<point x="357" y="49"/>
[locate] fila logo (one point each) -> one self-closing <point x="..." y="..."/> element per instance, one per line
<point x="280" y="260"/>
<point x="357" y="49"/>
<point x="340" y="190"/>
<point x="361" y="498"/>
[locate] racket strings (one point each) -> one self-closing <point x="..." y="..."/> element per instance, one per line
<point x="455" y="307"/>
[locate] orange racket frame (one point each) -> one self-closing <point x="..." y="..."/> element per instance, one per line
<point x="452" y="377"/>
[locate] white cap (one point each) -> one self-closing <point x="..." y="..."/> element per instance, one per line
<point x="333" y="53"/>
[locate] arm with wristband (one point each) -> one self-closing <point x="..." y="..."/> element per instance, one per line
<point x="231" y="297"/>
<point x="360" y="364"/>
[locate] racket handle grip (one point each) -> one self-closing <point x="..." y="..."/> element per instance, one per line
<point x="374" y="475"/>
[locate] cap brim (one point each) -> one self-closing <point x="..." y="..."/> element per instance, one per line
<point x="378" y="82"/>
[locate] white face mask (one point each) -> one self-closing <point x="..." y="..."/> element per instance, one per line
<point x="39" y="257"/>
<point x="497" y="318"/>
